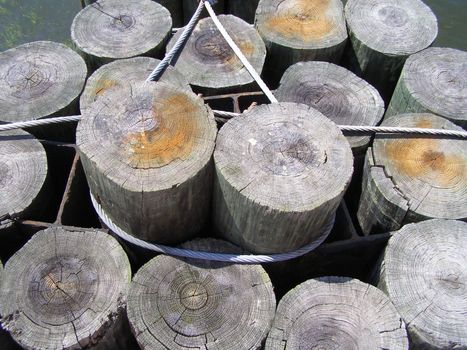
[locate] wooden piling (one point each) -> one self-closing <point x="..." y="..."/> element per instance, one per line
<point x="244" y="9"/>
<point x="336" y="312"/>
<point x="23" y="173"/>
<point x="39" y="80"/>
<point x="433" y="81"/>
<point x="113" y="29"/>
<point x="383" y="33"/>
<point x="121" y="73"/>
<point x="337" y="93"/>
<point x="211" y="66"/>
<point x="423" y="273"/>
<point x="409" y="178"/>
<point x="189" y="8"/>
<point x="67" y="289"/>
<point x="147" y="159"/>
<point x="281" y="172"/>
<point x="300" y="30"/>
<point x="184" y="303"/>
<point x="6" y="342"/>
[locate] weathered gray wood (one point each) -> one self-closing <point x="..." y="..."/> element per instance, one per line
<point x="337" y="93"/>
<point x="336" y="313"/>
<point x="433" y="81"/>
<point x="300" y="30"/>
<point x="40" y="79"/>
<point x="423" y="271"/>
<point x="209" y="63"/>
<point x="66" y="289"/>
<point x="6" y="342"/>
<point x="282" y="170"/>
<point x="112" y="29"/>
<point x="412" y="178"/>
<point x="186" y="303"/>
<point x="189" y="8"/>
<point x="383" y="33"/>
<point x="147" y="158"/>
<point x="23" y="172"/>
<point x="174" y="7"/>
<point x="244" y="9"/>
<point x="119" y="74"/>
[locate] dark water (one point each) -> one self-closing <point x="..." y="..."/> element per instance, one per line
<point x="22" y="21"/>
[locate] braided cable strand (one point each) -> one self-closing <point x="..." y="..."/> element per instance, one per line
<point x="240" y="55"/>
<point x="193" y="254"/>
<point x="162" y="66"/>
<point x="39" y="122"/>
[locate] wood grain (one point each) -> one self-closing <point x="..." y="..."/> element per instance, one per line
<point x="188" y="303"/>
<point x="300" y="30"/>
<point x="147" y="158"/>
<point x="121" y="73"/>
<point x="209" y="63"/>
<point x="38" y="80"/>
<point x="434" y="81"/>
<point x="281" y="171"/>
<point x="336" y="313"/>
<point x="337" y="93"/>
<point x="61" y="291"/>
<point x="112" y="29"/>
<point x="383" y="33"/>
<point x="23" y="173"/>
<point x="409" y="179"/>
<point x="423" y="273"/>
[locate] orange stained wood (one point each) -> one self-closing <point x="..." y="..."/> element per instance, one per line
<point x="423" y="158"/>
<point x="103" y="85"/>
<point x="302" y="19"/>
<point x="173" y="138"/>
<point x="247" y="49"/>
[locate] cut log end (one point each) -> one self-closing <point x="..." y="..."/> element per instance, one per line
<point x="413" y="178"/>
<point x="100" y="28"/>
<point x="400" y="27"/>
<point x="60" y="291"/>
<point x="433" y="81"/>
<point x="277" y="167"/>
<point x="327" y="312"/>
<point x="23" y="172"/>
<point x="337" y="93"/>
<point x="40" y="79"/>
<point x="201" y="303"/>
<point x="158" y="140"/>
<point x="210" y="64"/>
<point x="121" y="73"/>
<point x="423" y="273"/>
<point x="301" y="23"/>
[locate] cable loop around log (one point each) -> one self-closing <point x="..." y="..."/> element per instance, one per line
<point x="232" y="258"/>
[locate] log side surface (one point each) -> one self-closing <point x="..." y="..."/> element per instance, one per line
<point x="301" y="30"/>
<point x="383" y="33"/>
<point x="40" y="79"/>
<point x="111" y="29"/>
<point x="336" y="313"/>
<point x="66" y="289"/>
<point x="121" y="73"/>
<point x="281" y="172"/>
<point x="209" y="63"/>
<point x="413" y="178"/>
<point x="147" y="159"/>
<point x="23" y="172"/>
<point x="423" y="271"/>
<point x="337" y="93"/>
<point x="184" y="303"/>
<point x="433" y="80"/>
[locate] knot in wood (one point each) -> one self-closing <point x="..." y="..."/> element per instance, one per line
<point x="212" y="46"/>
<point x="28" y="80"/>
